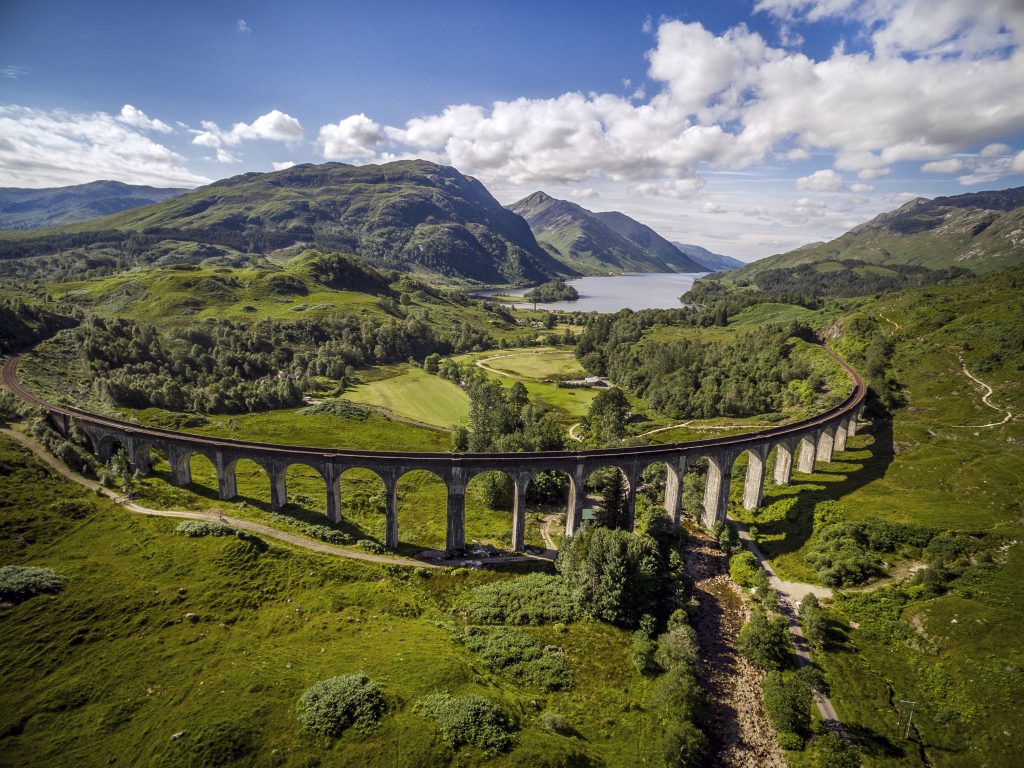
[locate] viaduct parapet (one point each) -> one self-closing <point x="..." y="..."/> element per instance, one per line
<point x="805" y="443"/>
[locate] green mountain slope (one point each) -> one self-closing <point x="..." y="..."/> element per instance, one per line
<point x="599" y="243"/>
<point x="34" y="208"/>
<point x="409" y="215"/>
<point x="713" y="262"/>
<point x="981" y="231"/>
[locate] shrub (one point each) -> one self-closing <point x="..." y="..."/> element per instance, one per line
<point x="678" y="695"/>
<point x="556" y="723"/>
<point x="787" y="701"/>
<point x="346" y="409"/>
<point x="20" y="582"/>
<point x="677" y="646"/>
<point x="197" y="528"/>
<point x="369" y="545"/>
<point x="642" y="653"/>
<point x="532" y="599"/>
<point x="742" y="567"/>
<point x="764" y="640"/>
<point x="831" y="751"/>
<point x="685" y="746"/>
<point x="468" y="720"/>
<point x="333" y="705"/>
<point x="519" y="656"/>
<point x="812" y="619"/>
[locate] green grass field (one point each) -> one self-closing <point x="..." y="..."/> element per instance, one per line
<point x="416" y="395"/>
<point x="110" y="668"/>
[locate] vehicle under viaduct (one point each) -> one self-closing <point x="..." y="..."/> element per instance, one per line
<point x="805" y="443"/>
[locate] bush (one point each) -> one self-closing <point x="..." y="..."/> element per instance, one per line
<point x="519" y="656"/>
<point x="532" y="599"/>
<point x="812" y="619"/>
<point x="742" y="568"/>
<point x="369" y="545"/>
<point x="677" y="646"/>
<point x="764" y="640"/>
<point x="678" y="695"/>
<point x="552" y="722"/>
<point x="20" y="582"/>
<point x="831" y="751"/>
<point x="686" y="746"/>
<point x="468" y="720"/>
<point x="197" y="528"/>
<point x="333" y="705"/>
<point x="642" y="653"/>
<point x="787" y="701"/>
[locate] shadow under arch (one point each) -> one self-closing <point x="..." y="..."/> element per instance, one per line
<point x="490" y="497"/>
<point x="363" y="504"/>
<point x="422" y="497"/>
<point x="610" y="497"/>
<point x="546" y="506"/>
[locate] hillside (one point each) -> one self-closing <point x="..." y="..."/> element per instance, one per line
<point x="599" y="243"/>
<point x="410" y="215"/>
<point x="35" y="208"/>
<point x="980" y="231"/>
<point x="713" y="262"/>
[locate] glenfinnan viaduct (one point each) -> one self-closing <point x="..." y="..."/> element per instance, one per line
<point x="805" y="442"/>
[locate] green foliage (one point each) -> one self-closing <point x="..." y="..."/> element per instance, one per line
<point x="743" y="567"/>
<point x="346" y="409"/>
<point x="813" y="620"/>
<point x="468" y="720"/>
<point x="518" y="656"/>
<point x="553" y="722"/>
<point x="212" y="744"/>
<point x="535" y="598"/>
<point x="677" y="646"/>
<point x="787" y="700"/>
<point x="20" y="582"/>
<point x="371" y="546"/>
<point x="607" y="416"/>
<point x="331" y="706"/>
<point x="764" y="640"/>
<point x="642" y="653"/>
<point x="198" y="528"/>
<point x="614" y="576"/>
<point x="553" y="290"/>
<point x="23" y="325"/>
<point x="832" y="751"/>
<point x="313" y="530"/>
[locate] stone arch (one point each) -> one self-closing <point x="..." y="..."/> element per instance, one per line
<point x="537" y="484"/>
<point x="312" y="489"/>
<point x="366" y="501"/>
<point x="625" y="515"/>
<point x="417" y="492"/>
<point x="492" y="495"/>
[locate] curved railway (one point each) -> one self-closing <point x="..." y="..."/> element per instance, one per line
<point x="808" y="441"/>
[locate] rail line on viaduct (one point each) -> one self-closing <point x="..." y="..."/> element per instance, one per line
<point x="805" y="442"/>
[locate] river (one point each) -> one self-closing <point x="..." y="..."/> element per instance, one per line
<point x="647" y="290"/>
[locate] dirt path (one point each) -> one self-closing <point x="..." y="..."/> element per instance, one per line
<point x="481" y="363"/>
<point x="740" y="734"/>
<point x="245" y="525"/>
<point x="545" y="532"/>
<point x="895" y="326"/>
<point x="985" y="398"/>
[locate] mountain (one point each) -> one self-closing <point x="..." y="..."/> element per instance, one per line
<point x="34" y="208"/>
<point x="712" y="262"/>
<point x="979" y="231"/>
<point x="598" y="243"/>
<point x="409" y="215"/>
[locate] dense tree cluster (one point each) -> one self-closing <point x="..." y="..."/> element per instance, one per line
<point x="553" y="290"/>
<point x="23" y="324"/>
<point x="694" y="379"/>
<point x="221" y="366"/>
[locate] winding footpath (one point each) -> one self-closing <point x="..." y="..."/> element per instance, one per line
<point x="985" y="398"/>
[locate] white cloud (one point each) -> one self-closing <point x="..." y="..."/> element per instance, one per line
<point x="676" y="189"/>
<point x="861" y="189"/>
<point x="354" y="138"/>
<point x="273" y="126"/>
<point x="243" y="27"/>
<point x="952" y="165"/>
<point x="991" y="164"/>
<point x="1018" y="162"/>
<point x="139" y="119"/>
<point x="283" y="166"/>
<point x="995" y="150"/>
<point x="12" y="71"/>
<point x="712" y="207"/>
<point x="586" y="193"/>
<point x="873" y="173"/>
<point x="821" y="181"/>
<point x="54" y="148"/>
<point x="223" y="156"/>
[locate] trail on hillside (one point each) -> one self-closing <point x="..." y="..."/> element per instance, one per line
<point x="985" y="398"/>
<point x="739" y="732"/>
<point x="895" y="325"/>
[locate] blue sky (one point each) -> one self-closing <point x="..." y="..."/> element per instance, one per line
<point x="749" y="128"/>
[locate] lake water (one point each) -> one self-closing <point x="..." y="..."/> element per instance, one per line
<point x="648" y="290"/>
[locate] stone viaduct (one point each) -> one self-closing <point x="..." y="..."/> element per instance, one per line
<point x="805" y="443"/>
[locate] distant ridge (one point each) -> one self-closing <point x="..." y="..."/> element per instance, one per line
<point x="599" y="243"/>
<point x="34" y="208"/>
<point x="712" y="262"/>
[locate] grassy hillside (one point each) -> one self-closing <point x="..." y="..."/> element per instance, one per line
<point x="35" y="208"/>
<point x="408" y="215"/>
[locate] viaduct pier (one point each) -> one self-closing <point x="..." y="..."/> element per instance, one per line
<point x="803" y="443"/>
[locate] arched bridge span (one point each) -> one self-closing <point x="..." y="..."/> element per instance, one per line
<point x="805" y="443"/>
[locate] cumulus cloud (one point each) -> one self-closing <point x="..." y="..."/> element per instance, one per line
<point x="139" y="119"/>
<point x="821" y="181"/>
<point x="1018" y="162"/>
<point x="43" y="148"/>
<point x="586" y="193"/>
<point x="676" y="189"/>
<point x="273" y="126"/>
<point x="354" y="138"/>
<point x="990" y="164"/>
<point x="731" y="100"/>
<point x="283" y="166"/>
<point x="861" y="189"/>
<point x="243" y="27"/>
<point x="713" y="207"/>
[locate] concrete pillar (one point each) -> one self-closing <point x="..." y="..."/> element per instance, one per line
<point x="577" y="498"/>
<point x="332" y="477"/>
<point x="632" y="480"/>
<point x="808" y="449"/>
<point x="181" y="468"/>
<point x="519" y="483"/>
<point x="783" y="463"/>
<point x="390" y="510"/>
<point x="753" y="486"/>
<point x="227" y="485"/>
<point x="852" y="430"/>
<point x="138" y="456"/>
<point x="675" y="472"/>
<point x="825" y="443"/>
<point x="839" y="444"/>
<point x="455" y="540"/>
<point x="716" y="492"/>
<point x="278" y="485"/>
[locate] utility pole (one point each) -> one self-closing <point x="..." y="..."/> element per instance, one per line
<point x="908" y="707"/>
